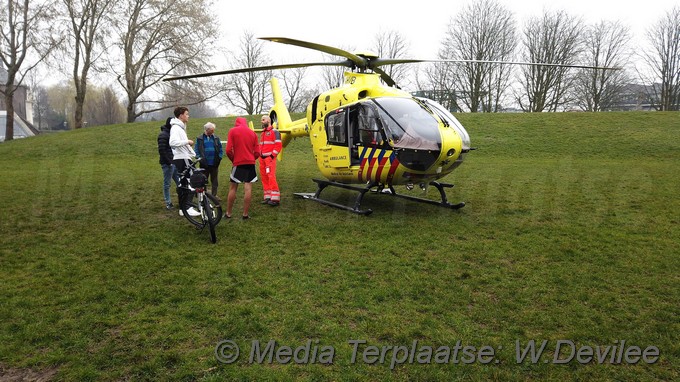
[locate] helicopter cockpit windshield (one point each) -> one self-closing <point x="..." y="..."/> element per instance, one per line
<point x="408" y="124"/>
<point x="449" y="120"/>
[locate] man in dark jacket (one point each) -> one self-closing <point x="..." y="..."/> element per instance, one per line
<point x="209" y="149"/>
<point x="169" y="169"/>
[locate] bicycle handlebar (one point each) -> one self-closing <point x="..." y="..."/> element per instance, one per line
<point x="191" y="166"/>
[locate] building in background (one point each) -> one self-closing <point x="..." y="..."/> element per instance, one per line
<point x="23" y="111"/>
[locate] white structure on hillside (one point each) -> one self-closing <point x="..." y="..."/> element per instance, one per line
<point x="23" y="111"/>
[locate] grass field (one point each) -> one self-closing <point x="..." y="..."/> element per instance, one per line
<point x="570" y="233"/>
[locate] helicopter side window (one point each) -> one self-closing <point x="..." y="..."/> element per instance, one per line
<point x="369" y="131"/>
<point x="335" y="128"/>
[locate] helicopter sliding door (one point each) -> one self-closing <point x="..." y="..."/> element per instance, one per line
<point x="357" y="148"/>
<point x="364" y="130"/>
<point x="351" y="129"/>
<point x="336" y="153"/>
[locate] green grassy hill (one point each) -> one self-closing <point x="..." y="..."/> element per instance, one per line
<point x="570" y="233"/>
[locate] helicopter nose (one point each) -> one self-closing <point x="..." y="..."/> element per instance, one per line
<point x="417" y="160"/>
<point x="452" y="150"/>
<point x="439" y="159"/>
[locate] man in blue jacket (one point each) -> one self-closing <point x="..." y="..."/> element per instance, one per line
<point x="209" y="148"/>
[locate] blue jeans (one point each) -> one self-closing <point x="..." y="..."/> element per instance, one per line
<point x="169" y="172"/>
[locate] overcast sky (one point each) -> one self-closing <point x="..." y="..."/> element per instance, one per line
<point x="353" y="24"/>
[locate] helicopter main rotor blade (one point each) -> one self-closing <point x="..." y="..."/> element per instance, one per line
<point x="393" y="61"/>
<point x="368" y="62"/>
<point x="359" y="61"/>
<point x="385" y="77"/>
<point x="528" y="64"/>
<point x="347" y="63"/>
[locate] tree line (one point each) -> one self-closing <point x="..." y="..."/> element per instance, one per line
<point x="486" y="30"/>
<point x="137" y="43"/>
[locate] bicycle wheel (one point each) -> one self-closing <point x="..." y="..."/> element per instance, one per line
<point x="209" y="216"/>
<point x="189" y="207"/>
<point x="216" y="207"/>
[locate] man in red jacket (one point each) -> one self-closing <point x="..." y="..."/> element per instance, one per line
<point x="242" y="149"/>
<point x="270" y="147"/>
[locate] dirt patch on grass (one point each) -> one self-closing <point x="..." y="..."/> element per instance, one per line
<point x="26" y="375"/>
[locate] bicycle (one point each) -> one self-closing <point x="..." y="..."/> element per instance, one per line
<point x="199" y="207"/>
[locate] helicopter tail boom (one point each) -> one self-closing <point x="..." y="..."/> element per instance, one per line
<point x="280" y="117"/>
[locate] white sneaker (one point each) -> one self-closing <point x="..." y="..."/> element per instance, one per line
<point x="192" y="212"/>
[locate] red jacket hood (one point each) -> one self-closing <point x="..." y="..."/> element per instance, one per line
<point x="241" y="122"/>
<point x="242" y="145"/>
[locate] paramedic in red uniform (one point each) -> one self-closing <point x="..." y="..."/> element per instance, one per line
<point x="242" y="149"/>
<point x="270" y="147"/>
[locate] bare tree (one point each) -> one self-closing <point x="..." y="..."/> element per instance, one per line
<point x="88" y="36"/>
<point x="248" y="91"/>
<point x="157" y="38"/>
<point x="551" y="38"/>
<point x="333" y="76"/>
<point x="664" y="60"/>
<point x="52" y="116"/>
<point x="392" y="44"/>
<point x="103" y="107"/>
<point x="605" y="44"/>
<point x="62" y="103"/>
<point x="299" y="95"/>
<point x="484" y="30"/>
<point x="437" y="85"/>
<point x="34" y="95"/>
<point x="203" y="110"/>
<point x="25" y="41"/>
<point x="40" y="107"/>
<point x="193" y="96"/>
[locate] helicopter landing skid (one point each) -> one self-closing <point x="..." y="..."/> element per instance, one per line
<point x="321" y="184"/>
<point x="440" y="186"/>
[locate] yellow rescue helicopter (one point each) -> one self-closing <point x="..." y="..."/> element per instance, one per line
<point x="371" y="133"/>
